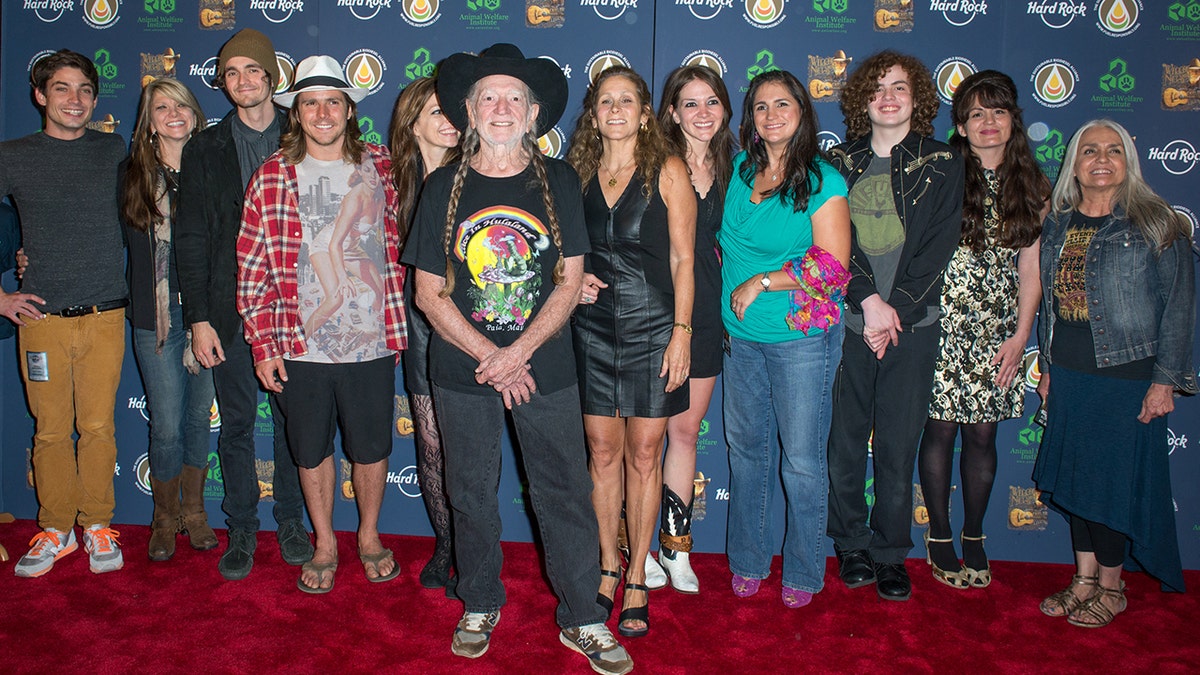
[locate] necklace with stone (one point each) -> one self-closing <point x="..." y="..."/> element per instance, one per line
<point x="612" y="181"/>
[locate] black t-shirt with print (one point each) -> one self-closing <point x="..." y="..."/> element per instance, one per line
<point x="503" y="257"/>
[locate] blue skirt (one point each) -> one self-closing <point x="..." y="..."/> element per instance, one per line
<point x="1098" y="462"/>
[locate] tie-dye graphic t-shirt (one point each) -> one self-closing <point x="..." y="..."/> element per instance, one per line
<point x="503" y="255"/>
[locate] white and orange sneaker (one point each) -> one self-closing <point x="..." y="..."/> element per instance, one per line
<point x="104" y="553"/>
<point x="46" y="547"/>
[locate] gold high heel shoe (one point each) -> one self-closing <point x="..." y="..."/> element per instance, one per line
<point x="977" y="578"/>
<point x="956" y="580"/>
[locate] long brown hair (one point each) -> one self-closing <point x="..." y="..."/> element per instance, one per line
<point x="720" y="147"/>
<point x="408" y="169"/>
<point x="470" y="147"/>
<point x="295" y="147"/>
<point x="801" y="172"/>
<point x="860" y="89"/>
<point x="652" y="148"/>
<point x="1024" y="189"/>
<point x="142" y="187"/>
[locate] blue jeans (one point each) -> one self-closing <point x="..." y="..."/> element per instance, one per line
<point x="778" y="397"/>
<point x="550" y="431"/>
<point x="237" y="393"/>
<point x="178" y="402"/>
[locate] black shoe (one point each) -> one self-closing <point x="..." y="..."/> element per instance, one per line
<point x="452" y="588"/>
<point x="294" y="544"/>
<point x="238" y="559"/>
<point x="436" y="572"/>
<point x="856" y="568"/>
<point x="893" y="582"/>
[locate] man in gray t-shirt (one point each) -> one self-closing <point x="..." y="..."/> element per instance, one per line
<point x="71" y="332"/>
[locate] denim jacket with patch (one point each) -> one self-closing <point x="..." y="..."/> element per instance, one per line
<point x="1140" y="303"/>
<point x="927" y="187"/>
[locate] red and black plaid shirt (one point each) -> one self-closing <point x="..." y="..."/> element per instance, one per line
<point x="268" y="251"/>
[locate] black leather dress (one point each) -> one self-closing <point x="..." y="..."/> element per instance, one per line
<point x="620" y="339"/>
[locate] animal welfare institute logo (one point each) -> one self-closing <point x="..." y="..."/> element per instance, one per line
<point x="1181" y="86"/>
<point x="1116" y="88"/>
<point x="1054" y="82"/>
<point x="1057" y="14"/>
<point x="764" y="13"/>
<point x="483" y="15"/>
<point x="277" y="11"/>
<point x="893" y="16"/>
<point x="1049" y="147"/>
<point x="609" y="10"/>
<point x="764" y="62"/>
<point x="827" y="76"/>
<point x="364" y="69"/>
<point x="1118" y="18"/>
<point x="829" y="16"/>
<point x="101" y="14"/>
<point x="159" y="16"/>
<point x="1177" y="157"/>
<point x="1183" y="21"/>
<point x="707" y="9"/>
<point x="950" y="73"/>
<point x="421" y="13"/>
<point x="959" y="13"/>
<point x="217" y="15"/>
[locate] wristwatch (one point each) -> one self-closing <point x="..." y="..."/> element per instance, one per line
<point x="765" y="280"/>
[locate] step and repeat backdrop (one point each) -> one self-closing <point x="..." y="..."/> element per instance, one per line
<point x="1136" y="61"/>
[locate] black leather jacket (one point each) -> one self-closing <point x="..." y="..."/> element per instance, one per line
<point x="927" y="186"/>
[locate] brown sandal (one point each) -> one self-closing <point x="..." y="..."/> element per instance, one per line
<point x="1065" y="601"/>
<point x="1094" y="608"/>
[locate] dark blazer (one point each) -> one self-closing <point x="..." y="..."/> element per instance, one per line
<point x="927" y="187"/>
<point x="207" y="221"/>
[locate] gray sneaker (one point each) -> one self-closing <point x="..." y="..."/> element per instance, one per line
<point x="45" y="548"/>
<point x="596" y="642"/>
<point x="238" y="559"/>
<point x="294" y="544"/>
<point x="104" y="553"/>
<point x="474" y="633"/>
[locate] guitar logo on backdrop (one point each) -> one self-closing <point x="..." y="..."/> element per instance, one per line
<point x="1181" y="86"/>
<point x="1057" y="13"/>
<point x="265" y="469"/>
<point x="950" y="73"/>
<point x="602" y="61"/>
<point x="551" y="144"/>
<point x="101" y="14"/>
<point x="401" y="411"/>
<point x="365" y="10"/>
<point x="959" y="12"/>
<point x="706" y="9"/>
<point x="1117" y="86"/>
<point x="364" y="69"/>
<point x="406" y="481"/>
<point x="545" y="13"/>
<point x="1054" y="83"/>
<point x="218" y="15"/>
<point x="48" y="11"/>
<point x="764" y="13"/>
<point x="160" y="16"/>
<point x="1177" y="157"/>
<point x="141" y="473"/>
<point x="277" y="11"/>
<point x="421" y="13"/>
<point x="707" y="58"/>
<point x="830" y="17"/>
<point x="893" y="16"/>
<point x="609" y="10"/>
<point x="155" y="66"/>
<point x="1026" y="510"/>
<point x="827" y="76"/>
<point x="1183" y="20"/>
<point x="1118" y="18"/>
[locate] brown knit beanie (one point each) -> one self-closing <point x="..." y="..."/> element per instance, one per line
<point x="253" y="45"/>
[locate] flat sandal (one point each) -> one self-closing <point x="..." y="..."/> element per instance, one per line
<point x="1065" y="599"/>
<point x="1095" y="609"/>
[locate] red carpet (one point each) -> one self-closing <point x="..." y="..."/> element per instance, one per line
<point x="181" y="617"/>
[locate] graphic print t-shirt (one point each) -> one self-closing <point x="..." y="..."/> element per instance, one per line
<point x="503" y="257"/>
<point x="342" y="259"/>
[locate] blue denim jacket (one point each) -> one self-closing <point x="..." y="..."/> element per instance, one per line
<point x="1140" y="304"/>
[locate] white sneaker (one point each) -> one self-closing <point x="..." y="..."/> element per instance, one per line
<point x="683" y="579"/>
<point x="46" y="547"/>
<point x="104" y="553"/>
<point x="656" y="576"/>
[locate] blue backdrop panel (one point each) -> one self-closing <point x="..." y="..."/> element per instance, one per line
<point x="1132" y="60"/>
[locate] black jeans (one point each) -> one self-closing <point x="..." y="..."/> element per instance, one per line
<point x="552" y="448"/>
<point x="237" y="396"/>
<point x="890" y="396"/>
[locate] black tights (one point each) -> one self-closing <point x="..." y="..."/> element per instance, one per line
<point x="977" y="468"/>
<point x="1106" y="543"/>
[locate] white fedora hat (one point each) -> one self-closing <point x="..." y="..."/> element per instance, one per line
<point x="319" y="73"/>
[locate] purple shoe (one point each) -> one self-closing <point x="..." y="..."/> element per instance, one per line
<point x="794" y="598"/>
<point x="743" y="587"/>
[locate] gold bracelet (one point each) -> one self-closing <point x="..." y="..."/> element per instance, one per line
<point x="687" y="327"/>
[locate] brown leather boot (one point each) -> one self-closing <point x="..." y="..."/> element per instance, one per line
<point x="165" y="525"/>
<point x="195" y="520"/>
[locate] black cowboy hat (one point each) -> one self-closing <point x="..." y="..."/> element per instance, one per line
<point x="459" y="72"/>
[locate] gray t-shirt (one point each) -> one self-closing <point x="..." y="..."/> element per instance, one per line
<point x="878" y="227"/>
<point x="66" y="194"/>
